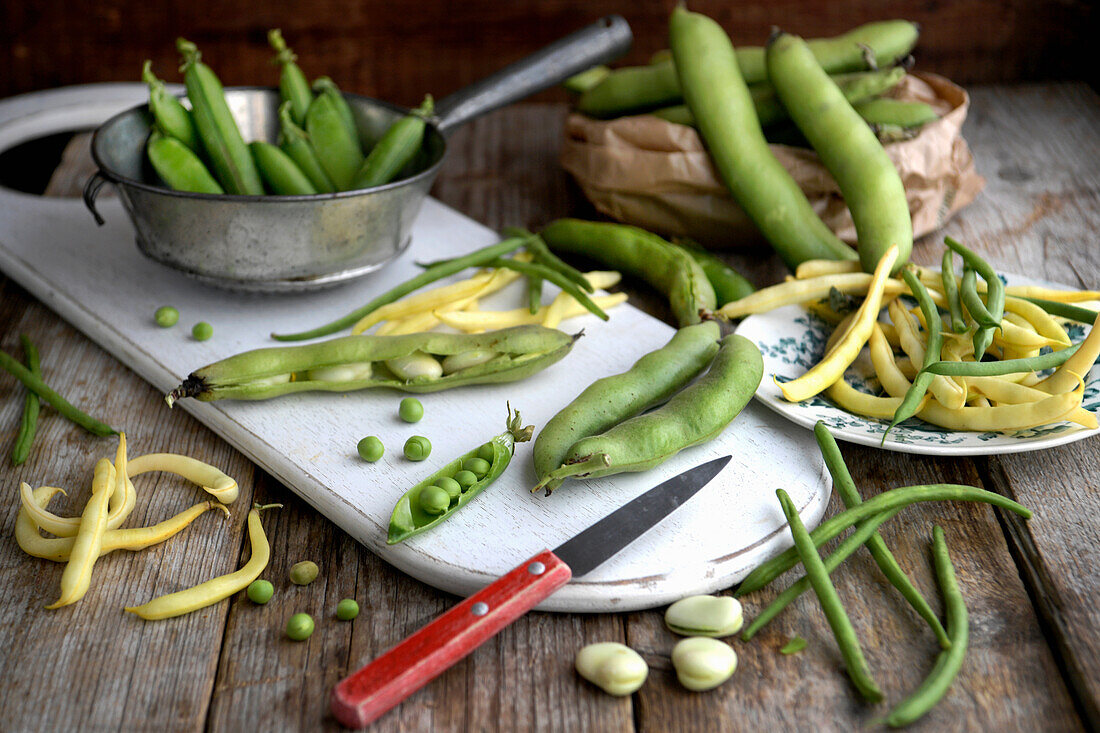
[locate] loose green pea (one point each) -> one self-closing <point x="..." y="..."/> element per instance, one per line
<point x="434" y="500"/>
<point x="417" y="448"/>
<point x="478" y="466"/>
<point x="299" y="627"/>
<point x="166" y="316"/>
<point x="466" y="479"/>
<point x="452" y="487"/>
<point x="347" y="609"/>
<point x="411" y="410"/>
<point x="202" y="331"/>
<point x="303" y="573"/>
<point x="260" y="591"/>
<point x="370" y="448"/>
<point x="485" y="452"/>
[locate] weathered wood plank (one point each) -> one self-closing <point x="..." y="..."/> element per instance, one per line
<point x="1039" y="216"/>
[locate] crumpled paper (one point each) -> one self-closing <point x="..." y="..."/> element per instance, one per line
<point x="657" y="175"/>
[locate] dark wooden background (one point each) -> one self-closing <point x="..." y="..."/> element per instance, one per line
<point x="400" y="49"/>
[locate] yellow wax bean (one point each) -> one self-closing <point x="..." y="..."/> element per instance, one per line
<point x="882" y="357"/>
<point x="479" y="285"/>
<point x="214" y="482"/>
<point x="1062" y="296"/>
<point x="818" y="268"/>
<point x="1053" y="409"/>
<point x="1004" y="391"/>
<point x="861" y="403"/>
<point x="804" y="291"/>
<point x="1075" y="367"/>
<point x="1040" y="320"/>
<point x="58" y="549"/>
<point x="471" y="321"/>
<point x="420" y="322"/>
<point x="946" y="390"/>
<point x="905" y="366"/>
<point x="215" y="589"/>
<point x="824" y="311"/>
<point x="1014" y="336"/>
<point x="87" y="543"/>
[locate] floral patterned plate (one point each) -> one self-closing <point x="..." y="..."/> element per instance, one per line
<point x="792" y="340"/>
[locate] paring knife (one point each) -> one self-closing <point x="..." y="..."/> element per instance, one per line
<point x="365" y="695"/>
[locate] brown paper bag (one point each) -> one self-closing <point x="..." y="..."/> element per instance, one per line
<point x="657" y="175"/>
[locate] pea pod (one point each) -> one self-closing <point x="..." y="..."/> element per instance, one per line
<point x="697" y="414"/>
<point x="178" y="166"/>
<point x="325" y="85"/>
<point x="866" y="176"/>
<point x="294" y="141"/>
<point x="637" y="252"/>
<point x="606" y="402"/>
<point x="719" y="99"/>
<point x="170" y="117"/>
<point x="293" y="87"/>
<point x="261" y="374"/>
<point x="336" y="146"/>
<point x="655" y="85"/>
<point x="857" y="87"/>
<point x="410" y="515"/>
<point x="281" y="173"/>
<point x="396" y="148"/>
<point x="232" y="163"/>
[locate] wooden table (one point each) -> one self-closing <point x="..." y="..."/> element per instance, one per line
<point x="1032" y="587"/>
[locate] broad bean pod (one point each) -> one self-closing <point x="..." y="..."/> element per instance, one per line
<point x="606" y="402"/>
<point x="719" y="99"/>
<point x="867" y="178"/>
<point x="698" y="413"/>
<point x="636" y="252"/>
<point x="261" y="374"/>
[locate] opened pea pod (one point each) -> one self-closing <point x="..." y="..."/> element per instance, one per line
<point x="442" y="494"/>
<point x="409" y="362"/>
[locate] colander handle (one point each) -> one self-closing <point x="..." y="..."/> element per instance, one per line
<point x="91" y="191"/>
<point x="605" y="40"/>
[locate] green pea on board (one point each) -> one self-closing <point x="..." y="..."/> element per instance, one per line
<point x="370" y="448"/>
<point x="166" y="316"/>
<point x="410" y="410"/>
<point x="202" y="331"/>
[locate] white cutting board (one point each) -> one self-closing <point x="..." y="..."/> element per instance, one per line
<point x="54" y="249"/>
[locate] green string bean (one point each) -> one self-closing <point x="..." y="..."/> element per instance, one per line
<point x="887" y="500"/>
<point x="915" y="394"/>
<point x="31" y="406"/>
<point x="534" y="294"/>
<point x="834" y="611"/>
<point x="531" y="269"/>
<point x="998" y="368"/>
<point x="477" y="258"/>
<point x="1066" y="310"/>
<point x="846" y="487"/>
<point x="947" y="666"/>
<point x="56" y="401"/>
<point x="968" y="293"/>
<point x="951" y="292"/>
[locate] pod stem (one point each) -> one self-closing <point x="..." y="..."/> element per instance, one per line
<point x="149" y="77"/>
<point x="426" y="108"/>
<point x="283" y="55"/>
<point x="189" y="51"/>
<point x="256" y="506"/>
<point x="191" y="387"/>
<point x="520" y="433"/>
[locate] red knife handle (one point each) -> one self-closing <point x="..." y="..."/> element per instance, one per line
<point x="365" y="695"/>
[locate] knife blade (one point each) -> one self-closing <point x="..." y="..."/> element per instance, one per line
<point x="365" y="695"/>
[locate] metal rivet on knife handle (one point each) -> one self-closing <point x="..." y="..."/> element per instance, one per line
<point x="479" y="609"/>
<point x="536" y="568"/>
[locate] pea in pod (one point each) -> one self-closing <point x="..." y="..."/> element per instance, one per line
<point x="396" y="148"/>
<point x="169" y="116"/>
<point x="637" y="252"/>
<point x="294" y="141"/>
<point x="178" y="166"/>
<point x="279" y="171"/>
<point x="697" y="414"/>
<point x="609" y="401"/>
<point x="261" y="374"/>
<point x="229" y="156"/>
<point x="293" y="87"/>
<point x="413" y="514"/>
<point x="336" y="145"/>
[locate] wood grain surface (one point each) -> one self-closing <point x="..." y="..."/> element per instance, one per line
<point x="1031" y="587"/>
<point x="398" y="51"/>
